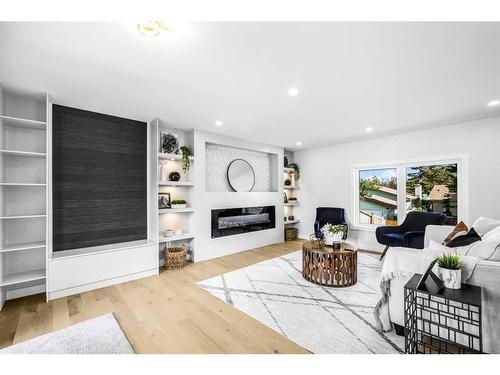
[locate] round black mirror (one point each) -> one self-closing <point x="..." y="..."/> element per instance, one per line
<point x="240" y="175"/>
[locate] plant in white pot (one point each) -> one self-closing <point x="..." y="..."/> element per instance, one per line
<point x="450" y="270"/>
<point x="333" y="234"/>
<point x="178" y="203"/>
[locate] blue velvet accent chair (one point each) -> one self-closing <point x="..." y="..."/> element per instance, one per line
<point x="410" y="233"/>
<point x="332" y="215"/>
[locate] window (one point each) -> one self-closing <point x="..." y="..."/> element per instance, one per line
<point x="378" y="196"/>
<point x="433" y="188"/>
<point x="385" y="194"/>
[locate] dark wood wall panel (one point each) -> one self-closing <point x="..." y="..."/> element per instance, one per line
<point x="99" y="174"/>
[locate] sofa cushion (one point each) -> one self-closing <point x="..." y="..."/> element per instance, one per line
<point x="483" y="225"/>
<point x="438" y="249"/>
<point x="481" y="249"/>
<point x="464" y="239"/>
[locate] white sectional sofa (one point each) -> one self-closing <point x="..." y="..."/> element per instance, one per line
<point x="486" y="275"/>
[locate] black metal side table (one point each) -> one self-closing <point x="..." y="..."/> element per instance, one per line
<point x="442" y="321"/>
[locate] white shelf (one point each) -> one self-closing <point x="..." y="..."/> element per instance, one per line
<point x="182" y="237"/>
<point x="23" y="184"/>
<point x="289" y="222"/>
<point x="23" y="153"/>
<point x="172" y="157"/>
<point x="175" y="210"/>
<point x="21" y="217"/>
<point x="288" y="170"/>
<point x="176" y="183"/>
<point x="22" y="277"/>
<point x="291" y="204"/>
<point x="25" y="123"/>
<point x="23" y="247"/>
<point x="290" y="187"/>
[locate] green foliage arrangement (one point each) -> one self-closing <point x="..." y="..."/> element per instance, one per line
<point x="178" y="201"/>
<point x="330" y="228"/>
<point x="186" y="153"/>
<point x="367" y="185"/>
<point x="450" y="262"/>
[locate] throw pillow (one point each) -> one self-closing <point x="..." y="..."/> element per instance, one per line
<point x="494" y="235"/>
<point x="459" y="229"/>
<point x="465" y="239"/>
<point x="483" y="225"/>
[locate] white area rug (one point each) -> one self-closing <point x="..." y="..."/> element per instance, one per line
<point x="320" y="319"/>
<point x="101" y="335"/>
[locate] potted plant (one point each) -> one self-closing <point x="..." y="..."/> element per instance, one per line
<point x="178" y="203"/>
<point x="186" y="154"/>
<point x="333" y="234"/>
<point x="450" y="270"/>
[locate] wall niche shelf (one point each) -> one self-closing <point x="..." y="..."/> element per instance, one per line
<point x="24" y="123"/>
<point x="182" y="237"/>
<point x="172" y="157"/>
<point x="289" y="222"/>
<point x="290" y="187"/>
<point x="176" y="210"/>
<point x="24" y="153"/>
<point x="291" y="192"/>
<point x="23" y="247"/>
<point x="291" y="204"/>
<point x="176" y="183"/>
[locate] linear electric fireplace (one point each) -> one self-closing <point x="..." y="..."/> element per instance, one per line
<point x="230" y="221"/>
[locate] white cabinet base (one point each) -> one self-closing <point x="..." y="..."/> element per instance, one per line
<point x="77" y="274"/>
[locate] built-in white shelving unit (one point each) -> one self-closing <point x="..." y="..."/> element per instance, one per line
<point x="176" y="218"/>
<point x="290" y="191"/>
<point x="24" y="195"/>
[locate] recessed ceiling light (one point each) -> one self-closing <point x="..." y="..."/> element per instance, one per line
<point x="152" y="28"/>
<point x="493" y="103"/>
<point x="298" y="143"/>
<point x="368" y="130"/>
<point x="218" y="123"/>
<point x="293" y="91"/>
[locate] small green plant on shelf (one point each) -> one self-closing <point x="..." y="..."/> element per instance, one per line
<point x="450" y="262"/>
<point x="186" y="154"/>
<point x="178" y="201"/>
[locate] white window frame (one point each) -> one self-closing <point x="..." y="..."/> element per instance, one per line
<point x="462" y="161"/>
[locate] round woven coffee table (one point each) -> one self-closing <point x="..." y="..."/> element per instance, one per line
<point x="336" y="268"/>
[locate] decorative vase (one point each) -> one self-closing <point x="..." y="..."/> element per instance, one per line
<point x="452" y="279"/>
<point x="174" y="176"/>
<point x="163" y="170"/>
<point x="333" y="239"/>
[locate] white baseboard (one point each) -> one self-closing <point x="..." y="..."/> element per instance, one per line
<point x="23" y="292"/>
<point x="101" y="284"/>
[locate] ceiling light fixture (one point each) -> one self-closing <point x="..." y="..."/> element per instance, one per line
<point x="293" y="91"/>
<point x="152" y="28"/>
<point x="298" y="143"/>
<point x="218" y="123"/>
<point x="368" y="130"/>
<point x="493" y="103"/>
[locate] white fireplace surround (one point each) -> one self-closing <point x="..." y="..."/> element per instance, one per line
<point x="206" y="247"/>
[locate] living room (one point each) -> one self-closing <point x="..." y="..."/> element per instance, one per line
<point x="204" y="187"/>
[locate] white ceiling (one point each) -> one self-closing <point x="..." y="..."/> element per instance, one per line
<point x="392" y="77"/>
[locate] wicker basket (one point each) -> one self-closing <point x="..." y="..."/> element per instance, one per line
<point x="175" y="258"/>
<point x="291" y="234"/>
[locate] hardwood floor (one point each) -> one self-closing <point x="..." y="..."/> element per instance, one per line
<point x="160" y="314"/>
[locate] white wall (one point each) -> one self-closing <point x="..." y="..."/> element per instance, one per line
<point x="326" y="172"/>
<point x="205" y="247"/>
